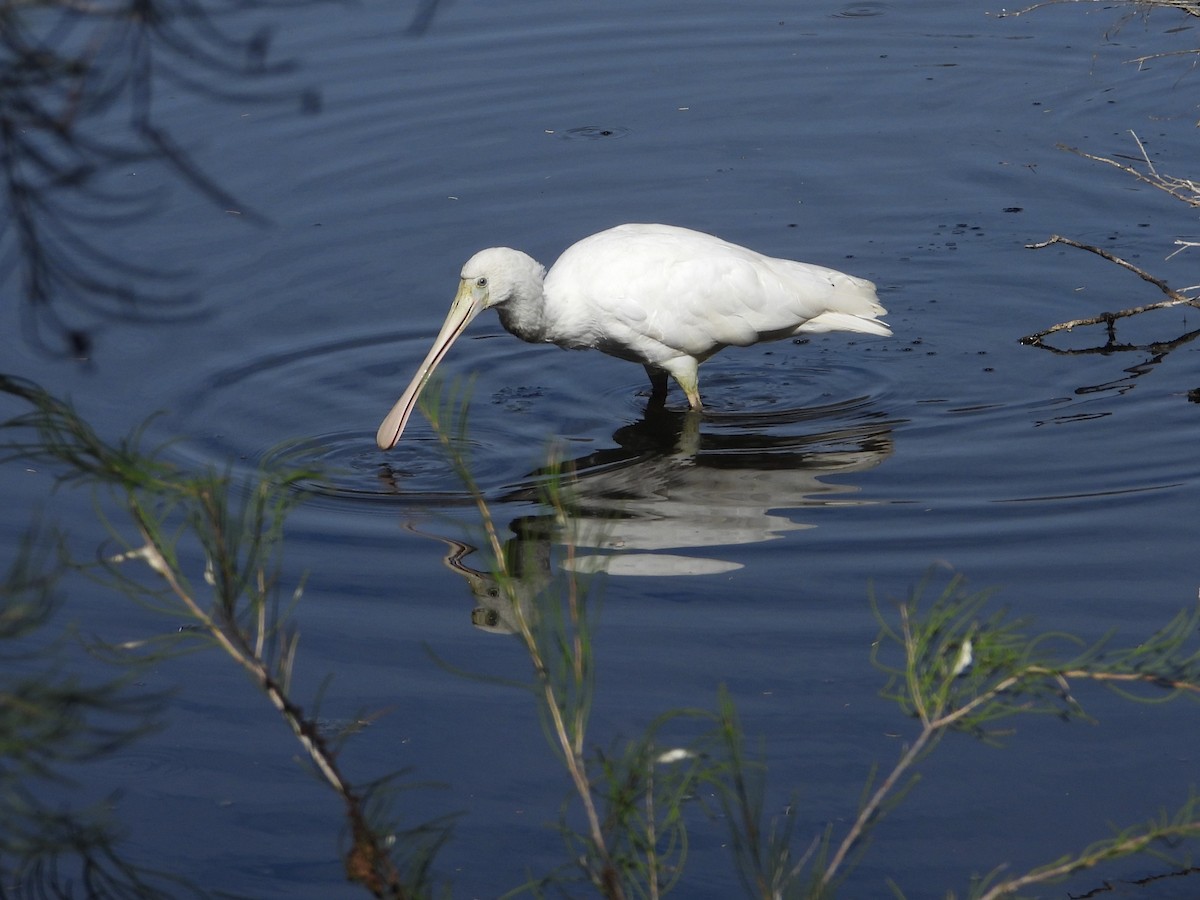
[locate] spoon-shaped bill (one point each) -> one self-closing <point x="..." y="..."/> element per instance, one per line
<point x="462" y="311"/>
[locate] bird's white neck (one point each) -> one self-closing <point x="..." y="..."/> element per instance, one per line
<point x="524" y="312"/>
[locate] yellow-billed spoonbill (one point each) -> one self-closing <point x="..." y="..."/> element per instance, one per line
<point x="663" y="296"/>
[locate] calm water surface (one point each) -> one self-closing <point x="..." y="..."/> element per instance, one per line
<point x="910" y="143"/>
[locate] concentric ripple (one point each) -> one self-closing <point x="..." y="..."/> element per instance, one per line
<point x="861" y="11"/>
<point x="315" y="407"/>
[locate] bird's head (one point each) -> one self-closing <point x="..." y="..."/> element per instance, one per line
<point x="496" y="275"/>
<point x="489" y="278"/>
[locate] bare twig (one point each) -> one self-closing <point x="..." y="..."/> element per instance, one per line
<point x="1150" y="57"/>
<point x="1185" y="245"/>
<point x="1191" y="7"/>
<point x="1185" y="189"/>
<point x="1175" y="296"/>
<point x="1109" y="318"/>
<point x="1011" y="13"/>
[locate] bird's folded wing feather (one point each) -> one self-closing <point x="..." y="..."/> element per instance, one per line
<point x="695" y="293"/>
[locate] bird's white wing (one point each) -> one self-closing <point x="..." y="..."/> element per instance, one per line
<point x="658" y="288"/>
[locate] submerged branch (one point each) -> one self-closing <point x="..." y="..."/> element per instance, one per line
<point x="1191" y="7"/>
<point x="1109" y="319"/>
<point x="1184" y="189"/>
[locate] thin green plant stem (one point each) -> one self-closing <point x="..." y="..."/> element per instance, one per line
<point x="369" y="862"/>
<point x="959" y="672"/>
<point x="651" y="840"/>
<point x="922" y="743"/>
<point x="570" y="738"/>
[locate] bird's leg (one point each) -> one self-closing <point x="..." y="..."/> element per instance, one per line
<point x="658" y="385"/>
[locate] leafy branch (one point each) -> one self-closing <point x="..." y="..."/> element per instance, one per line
<point x="633" y="796"/>
<point x="952" y="665"/>
<point x="564" y="690"/>
<point x="962" y="670"/>
<point x="237" y="600"/>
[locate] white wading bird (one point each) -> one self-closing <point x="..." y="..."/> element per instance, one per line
<point x="664" y="296"/>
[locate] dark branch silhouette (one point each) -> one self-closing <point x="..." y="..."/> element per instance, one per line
<point x="65" y="74"/>
<point x="1109" y="319"/>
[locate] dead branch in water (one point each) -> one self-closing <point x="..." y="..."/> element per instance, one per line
<point x="1191" y="7"/>
<point x="1185" y="189"/>
<point x="1108" y="319"/>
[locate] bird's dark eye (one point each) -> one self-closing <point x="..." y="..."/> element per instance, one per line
<point x="481" y="282"/>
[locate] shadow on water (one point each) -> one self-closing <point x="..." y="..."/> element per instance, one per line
<point x="1156" y="352"/>
<point x="668" y="486"/>
<point x="79" y="109"/>
<point x="64" y="167"/>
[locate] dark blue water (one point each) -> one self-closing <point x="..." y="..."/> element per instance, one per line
<point x="913" y="144"/>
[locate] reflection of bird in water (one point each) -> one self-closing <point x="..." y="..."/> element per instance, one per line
<point x="664" y="296"/>
<point x="666" y="488"/>
<point x="669" y="487"/>
<point x="529" y="568"/>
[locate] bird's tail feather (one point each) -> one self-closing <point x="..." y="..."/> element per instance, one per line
<point x="840" y="321"/>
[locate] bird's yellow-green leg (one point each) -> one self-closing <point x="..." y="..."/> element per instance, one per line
<point x="685" y="370"/>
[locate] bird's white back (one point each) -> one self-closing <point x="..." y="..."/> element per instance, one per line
<point x="693" y="293"/>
